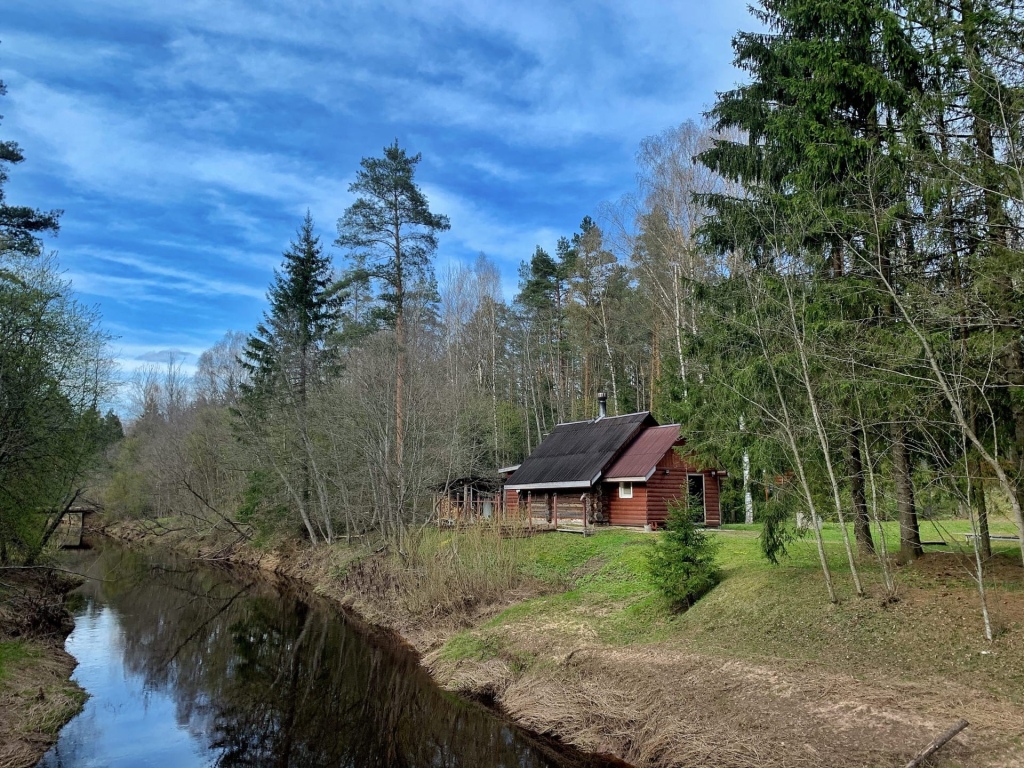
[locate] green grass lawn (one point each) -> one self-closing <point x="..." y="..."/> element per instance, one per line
<point x="760" y="611"/>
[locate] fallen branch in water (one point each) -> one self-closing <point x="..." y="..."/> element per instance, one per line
<point x="937" y="744"/>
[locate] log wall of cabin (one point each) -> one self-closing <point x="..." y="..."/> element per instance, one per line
<point x="649" y="504"/>
<point x="669" y="482"/>
<point x="570" y="505"/>
<point x="538" y="504"/>
<point x="511" y="503"/>
<point x="712" y="501"/>
<point x="626" y="511"/>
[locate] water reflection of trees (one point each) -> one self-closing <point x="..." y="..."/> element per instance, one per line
<point x="270" y="679"/>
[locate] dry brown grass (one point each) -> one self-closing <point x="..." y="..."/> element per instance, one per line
<point x="36" y="699"/>
<point x="436" y="583"/>
<point x="440" y="580"/>
<point x="655" y="707"/>
<point x="36" y="696"/>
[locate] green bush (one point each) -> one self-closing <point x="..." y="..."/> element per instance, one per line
<point x="682" y="563"/>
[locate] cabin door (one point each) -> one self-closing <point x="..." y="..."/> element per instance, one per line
<point x="695" y="498"/>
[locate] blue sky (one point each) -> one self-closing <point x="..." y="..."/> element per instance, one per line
<point x="185" y="140"/>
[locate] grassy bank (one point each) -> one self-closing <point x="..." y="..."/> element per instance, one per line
<point x="779" y="612"/>
<point x="567" y="634"/>
<point x="36" y="696"/>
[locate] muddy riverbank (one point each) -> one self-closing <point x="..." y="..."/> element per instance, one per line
<point x="36" y="695"/>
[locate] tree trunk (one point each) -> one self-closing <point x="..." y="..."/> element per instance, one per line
<point x="826" y="449"/>
<point x="910" y="535"/>
<point x="655" y="364"/>
<point x="861" y="521"/>
<point x="611" y="359"/>
<point x="399" y="387"/>
<point x="975" y="484"/>
<point x="867" y="462"/>
<point x="679" y="328"/>
<point x="49" y="531"/>
<point x="977" y="500"/>
<point x="786" y="423"/>
<point x="748" y="499"/>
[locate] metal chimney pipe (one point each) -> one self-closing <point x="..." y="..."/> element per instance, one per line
<point x="602" y="405"/>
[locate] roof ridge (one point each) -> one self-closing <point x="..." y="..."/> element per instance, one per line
<point x="603" y="418"/>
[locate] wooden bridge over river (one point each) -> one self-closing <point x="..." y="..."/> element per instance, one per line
<point x="71" y="529"/>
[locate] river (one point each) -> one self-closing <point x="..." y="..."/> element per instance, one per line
<point x="191" y="665"/>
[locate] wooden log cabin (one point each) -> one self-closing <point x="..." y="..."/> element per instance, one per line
<point x="613" y="470"/>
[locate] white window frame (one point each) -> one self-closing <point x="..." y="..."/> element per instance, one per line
<point x="626" y="490"/>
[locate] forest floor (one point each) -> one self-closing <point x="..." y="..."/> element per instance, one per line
<point x="36" y="695"/>
<point x="567" y="636"/>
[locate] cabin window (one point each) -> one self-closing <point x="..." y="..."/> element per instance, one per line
<point x="625" y="490"/>
<point x="695" y="497"/>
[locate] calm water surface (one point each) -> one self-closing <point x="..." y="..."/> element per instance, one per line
<point x="193" y="666"/>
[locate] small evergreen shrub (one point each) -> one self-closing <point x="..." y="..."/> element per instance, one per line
<point x="683" y="563"/>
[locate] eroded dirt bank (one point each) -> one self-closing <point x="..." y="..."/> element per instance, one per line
<point x="656" y="706"/>
<point x="36" y="695"/>
<point x="661" y="704"/>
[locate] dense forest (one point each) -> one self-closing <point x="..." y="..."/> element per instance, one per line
<point x="822" y="280"/>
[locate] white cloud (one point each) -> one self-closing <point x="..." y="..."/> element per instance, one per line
<point x="104" y="149"/>
<point x="169" y="288"/>
<point x="479" y="231"/>
<point x="222" y="122"/>
<point x="534" y="72"/>
<point x="178" y="281"/>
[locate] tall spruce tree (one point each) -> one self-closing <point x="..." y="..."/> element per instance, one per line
<point x="970" y="196"/>
<point x="292" y="343"/>
<point x="826" y="116"/>
<point x="286" y="356"/>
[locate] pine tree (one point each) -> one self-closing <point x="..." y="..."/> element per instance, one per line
<point x="391" y="234"/>
<point x="20" y="226"/>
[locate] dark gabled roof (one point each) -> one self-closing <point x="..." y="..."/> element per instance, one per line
<point x="638" y="462"/>
<point x="575" y="455"/>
